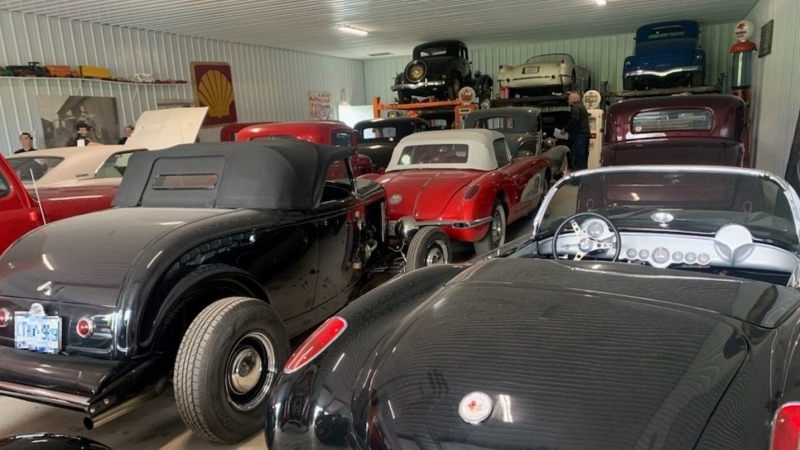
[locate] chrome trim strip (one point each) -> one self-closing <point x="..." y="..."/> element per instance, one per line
<point x="636" y="73"/>
<point x="457" y="224"/>
<point x="419" y="85"/>
<point x="71" y="401"/>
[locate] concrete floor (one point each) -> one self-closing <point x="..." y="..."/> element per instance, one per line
<point x="156" y="425"/>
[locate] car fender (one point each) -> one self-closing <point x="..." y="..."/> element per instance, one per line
<point x="299" y="396"/>
<point x="482" y="204"/>
<point x="173" y="302"/>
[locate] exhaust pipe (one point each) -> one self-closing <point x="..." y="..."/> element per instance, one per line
<point x="93" y="421"/>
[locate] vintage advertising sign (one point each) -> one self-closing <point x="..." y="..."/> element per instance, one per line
<point x="213" y="87"/>
<point x="320" y="104"/>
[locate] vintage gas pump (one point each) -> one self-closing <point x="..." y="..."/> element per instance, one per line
<point x="593" y="102"/>
<point x="466" y="96"/>
<point x="741" y="78"/>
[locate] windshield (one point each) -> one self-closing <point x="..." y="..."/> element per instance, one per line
<point x="501" y="124"/>
<point x="696" y="201"/>
<point x="31" y="168"/>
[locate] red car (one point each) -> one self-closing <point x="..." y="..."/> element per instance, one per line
<point x="683" y="129"/>
<point x="228" y="132"/>
<point x="461" y="185"/>
<point x="20" y="212"/>
<point x="332" y="133"/>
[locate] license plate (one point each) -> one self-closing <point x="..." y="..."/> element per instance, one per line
<point x="527" y="70"/>
<point x="37" y="333"/>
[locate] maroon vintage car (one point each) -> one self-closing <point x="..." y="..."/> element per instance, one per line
<point x="337" y="134"/>
<point x="683" y="129"/>
<point x="20" y="212"/>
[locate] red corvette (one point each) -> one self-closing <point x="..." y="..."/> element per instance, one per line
<point x="461" y="185"/>
<point x="20" y="212"/>
<point x="337" y="134"/>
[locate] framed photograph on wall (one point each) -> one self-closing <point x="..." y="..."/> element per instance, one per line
<point x="213" y="87"/>
<point x="765" y="44"/>
<point x="60" y="116"/>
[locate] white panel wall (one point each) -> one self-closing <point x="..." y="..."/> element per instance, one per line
<point x="270" y="84"/>
<point x="603" y="56"/>
<point x="776" y="83"/>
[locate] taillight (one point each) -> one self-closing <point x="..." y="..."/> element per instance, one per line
<point x="699" y="57"/>
<point x="315" y="344"/>
<point x="85" y="327"/>
<point x="5" y="317"/>
<point x="472" y="191"/>
<point x="563" y="61"/>
<point x="786" y="428"/>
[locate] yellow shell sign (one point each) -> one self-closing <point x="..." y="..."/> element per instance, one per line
<point x="214" y="89"/>
<point x="216" y="92"/>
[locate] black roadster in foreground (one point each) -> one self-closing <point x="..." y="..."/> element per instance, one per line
<point x="653" y="308"/>
<point x="215" y="255"/>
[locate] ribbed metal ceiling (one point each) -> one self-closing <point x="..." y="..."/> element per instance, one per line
<point x="395" y="25"/>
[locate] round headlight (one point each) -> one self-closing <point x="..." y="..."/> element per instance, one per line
<point x="466" y="95"/>
<point x="406" y="227"/>
<point x="550" y="142"/>
<point x="415" y="71"/>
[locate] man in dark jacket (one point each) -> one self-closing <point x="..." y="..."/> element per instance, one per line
<point x="26" y="141"/>
<point x="578" y="129"/>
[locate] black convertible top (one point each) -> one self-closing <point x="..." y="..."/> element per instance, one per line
<point x="261" y="174"/>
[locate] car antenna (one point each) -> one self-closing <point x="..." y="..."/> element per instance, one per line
<point x="38" y="200"/>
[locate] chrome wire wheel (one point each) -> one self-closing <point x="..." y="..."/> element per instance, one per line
<point x="250" y="371"/>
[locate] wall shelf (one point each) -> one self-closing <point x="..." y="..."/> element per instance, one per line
<point x="90" y="80"/>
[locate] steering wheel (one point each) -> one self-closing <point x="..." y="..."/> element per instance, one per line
<point x="590" y="241"/>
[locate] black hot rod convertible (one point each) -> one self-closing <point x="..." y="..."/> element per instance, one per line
<point x="653" y="308"/>
<point x="214" y="256"/>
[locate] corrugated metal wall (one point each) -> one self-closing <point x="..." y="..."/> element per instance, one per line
<point x="603" y="56"/>
<point x="776" y="86"/>
<point x="270" y="84"/>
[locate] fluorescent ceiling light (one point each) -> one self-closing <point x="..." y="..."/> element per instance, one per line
<point x="601" y="2"/>
<point x="353" y="30"/>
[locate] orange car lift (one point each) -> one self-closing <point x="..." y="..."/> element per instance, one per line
<point x="460" y="110"/>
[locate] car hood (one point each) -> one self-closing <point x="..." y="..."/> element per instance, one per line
<point x="85" y="259"/>
<point x="562" y="368"/>
<point x="691" y="151"/>
<point x="423" y="194"/>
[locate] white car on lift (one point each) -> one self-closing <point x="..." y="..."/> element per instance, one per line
<point x="545" y="74"/>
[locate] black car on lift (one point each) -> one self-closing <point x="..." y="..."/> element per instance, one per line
<point x="440" y="69"/>
<point x="212" y="258"/>
<point x="378" y="137"/>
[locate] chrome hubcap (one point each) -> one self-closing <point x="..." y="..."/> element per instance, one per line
<point x="497" y="229"/>
<point x="437" y="254"/>
<point x="250" y="371"/>
<point x="246" y="370"/>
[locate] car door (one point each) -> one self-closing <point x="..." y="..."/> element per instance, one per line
<point x="338" y="217"/>
<point x="519" y="173"/>
<point x="18" y="214"/>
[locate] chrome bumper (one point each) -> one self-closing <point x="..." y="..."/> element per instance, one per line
<point x="457" y="224"/>
<point x="663" y="73"/>
<point x="420" y="85"/>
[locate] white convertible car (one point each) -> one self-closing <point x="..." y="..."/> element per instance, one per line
<point x="105" y="164"/>
<point x="545" y="74"/>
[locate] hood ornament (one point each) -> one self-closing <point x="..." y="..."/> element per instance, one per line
<point x="46" y="288"/>
<point x="475" y="407"/>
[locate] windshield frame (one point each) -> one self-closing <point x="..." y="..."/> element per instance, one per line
<point x="793" y="198"/>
